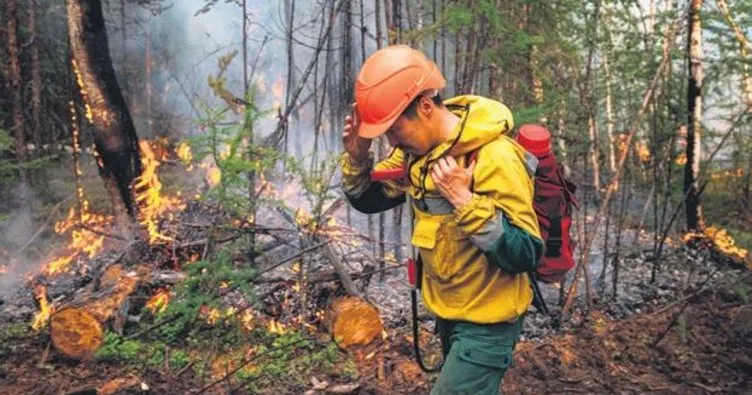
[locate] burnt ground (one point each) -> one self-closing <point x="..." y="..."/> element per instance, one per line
<point x="707" y="350"/>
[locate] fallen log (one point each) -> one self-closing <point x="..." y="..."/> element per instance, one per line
<point x="77" y="329"/>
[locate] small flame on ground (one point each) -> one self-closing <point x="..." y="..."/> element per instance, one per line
<point x="722" y="241"/>
<point x="247" y="319"/>
<point x="212" y="173"/>
<point x="212" y="316"/>
<point x="158" y="302"/>
<point x="277" y="327"/>
<point x="185" y="154"/>
<point x="45" y="309"/>
<point x="738" y="173"/>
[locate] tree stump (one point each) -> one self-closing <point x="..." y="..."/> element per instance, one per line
<point x="77" y="329"/>
<point x="353" y="321"/>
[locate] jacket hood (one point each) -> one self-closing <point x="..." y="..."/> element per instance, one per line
<point x="482" y="120"/>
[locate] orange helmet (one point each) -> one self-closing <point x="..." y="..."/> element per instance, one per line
<point x="388" y="81"/>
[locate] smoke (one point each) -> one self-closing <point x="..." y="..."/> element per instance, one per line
<point x="15" y="233"/>
<point x="186" y="45"/>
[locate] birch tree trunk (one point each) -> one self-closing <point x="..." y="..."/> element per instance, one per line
<point x="115" y="136"/>
<point x="694" y="117"/>
<point x="609" y="117"/>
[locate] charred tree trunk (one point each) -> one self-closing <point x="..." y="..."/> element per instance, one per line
<point x="694" y="117"/>
<point x="36" y="81"/>
<point x="148" y="89"/>
<point x="114" y="133"/>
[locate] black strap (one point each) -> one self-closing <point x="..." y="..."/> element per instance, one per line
<point x="538" y="301"/>
<point x="416" y="331"/>
<point x="553" y="242"/>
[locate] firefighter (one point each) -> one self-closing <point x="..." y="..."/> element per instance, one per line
<point x="472" y="194"/>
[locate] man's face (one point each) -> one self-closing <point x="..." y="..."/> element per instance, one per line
<point x="413" y="135"/>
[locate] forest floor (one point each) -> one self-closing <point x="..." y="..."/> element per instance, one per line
<point x="704" y="347"/>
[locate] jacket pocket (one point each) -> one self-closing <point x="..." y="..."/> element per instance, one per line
<point x="439" y="241"/>
<point x="451" y="240"/>
<point x="425" y="233"/>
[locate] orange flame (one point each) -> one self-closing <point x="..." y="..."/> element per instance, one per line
<point x="82" y="239"/>
<point x="45" y="309"/>
<point x="681" y="159"/>
<point x="158" y="302"/>
<point x="643" y="151"/>
<point x="247" y="319"/>
<point x="277" y="327"/>
<point x="722" y="241"/>
<point x="212" y="173"/>
<point x="183" y="151"/>
<point x="738" y="173"/>
<point x="149" y="197"/>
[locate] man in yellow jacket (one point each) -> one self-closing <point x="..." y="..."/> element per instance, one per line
<point x="475" y="226"/>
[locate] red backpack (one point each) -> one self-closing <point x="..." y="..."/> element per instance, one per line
<point x="554" y="201"/>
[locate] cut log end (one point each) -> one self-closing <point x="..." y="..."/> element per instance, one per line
<point x="353" y="321"/>
<point x="75" y="333"/>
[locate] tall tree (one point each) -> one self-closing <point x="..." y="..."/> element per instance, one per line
<point x="694" y="117"/>
<point x="14" y="79"/>
<point x="36" y="78"/>
<point x="115" y="136"/>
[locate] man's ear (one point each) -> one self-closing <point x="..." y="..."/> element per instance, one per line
<point x="426" y="106"/>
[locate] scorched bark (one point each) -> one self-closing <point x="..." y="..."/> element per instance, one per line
<point x="114" y="133"/>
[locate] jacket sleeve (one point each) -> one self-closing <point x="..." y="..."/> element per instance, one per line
<point x="366" y="196"/>
<point x="500" y="218"/>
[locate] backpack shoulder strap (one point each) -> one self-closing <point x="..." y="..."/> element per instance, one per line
<point x="471" y="157"/>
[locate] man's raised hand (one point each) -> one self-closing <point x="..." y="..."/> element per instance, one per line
<point x="357" y="147"/>
<point x="453" y="181"/>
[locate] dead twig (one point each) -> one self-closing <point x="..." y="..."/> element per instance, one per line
<point x="99" y="232"/>
<point x="185" y="369"/>
<point x="289" y="259"/>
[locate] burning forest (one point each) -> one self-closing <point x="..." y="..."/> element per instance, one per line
<point x="205" y="197"/>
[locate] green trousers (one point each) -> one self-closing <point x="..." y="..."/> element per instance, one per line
<point x="475" y="356"/>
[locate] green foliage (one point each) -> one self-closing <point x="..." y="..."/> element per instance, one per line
<point x="10" y="336"/>
<point x="741" y="289"/>
<point x="152" y="354"/>
<point x="205" y="285"/>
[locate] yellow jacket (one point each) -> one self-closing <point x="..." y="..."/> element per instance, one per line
<point x="472" y="256"/>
